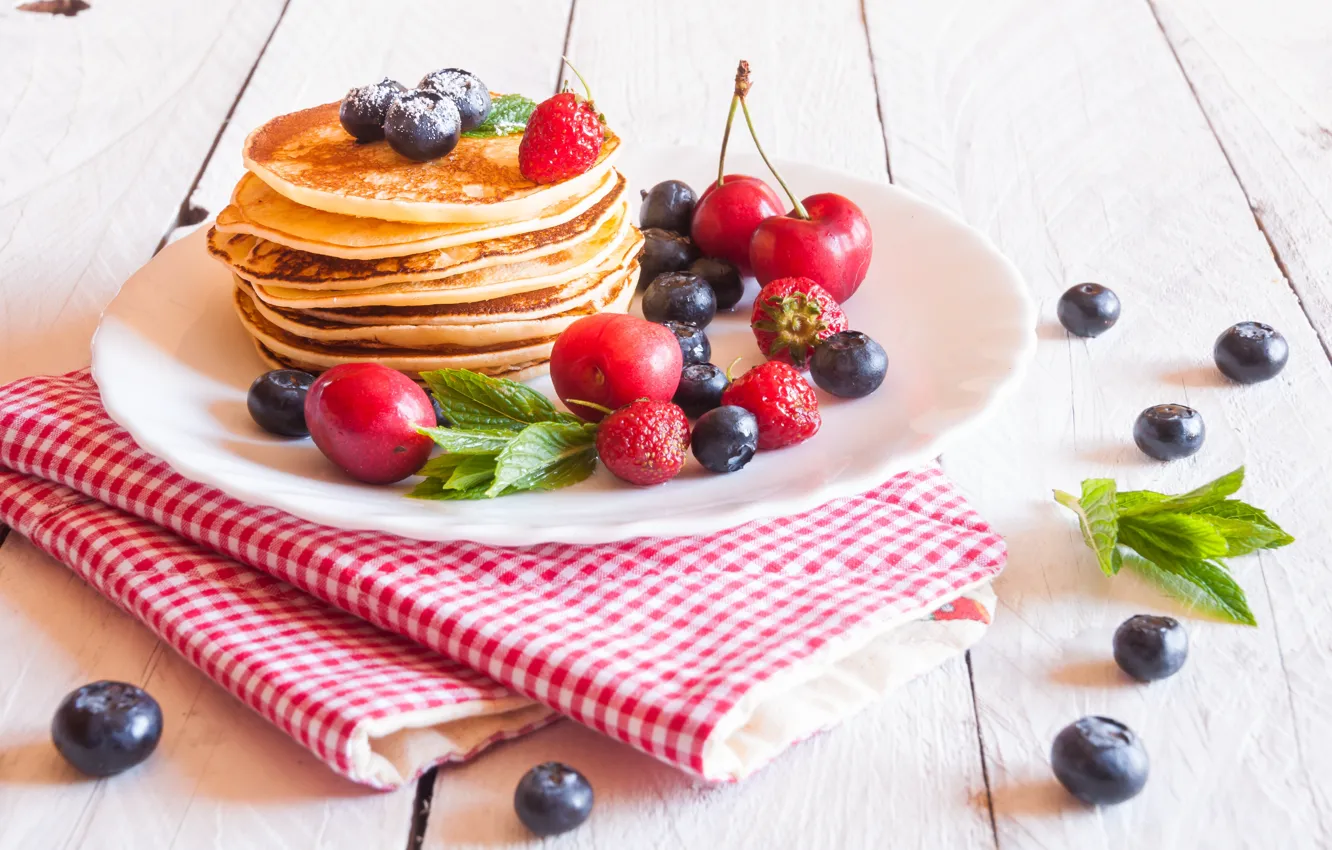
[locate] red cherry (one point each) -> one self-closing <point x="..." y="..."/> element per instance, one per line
<point x="727" y="214"/>
<point x="612" y="359"/>
<point x="363" y="417"/>
<point x="832" y="246"/>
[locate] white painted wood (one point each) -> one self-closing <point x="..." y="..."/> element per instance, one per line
<point x="222" y="776"/>
<point x="1069" y="134"/>
<point x="1263" y="73"/>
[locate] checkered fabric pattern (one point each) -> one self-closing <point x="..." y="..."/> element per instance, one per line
<point x="653" y="642"/>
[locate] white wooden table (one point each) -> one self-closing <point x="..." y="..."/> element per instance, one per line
<point x="1179" y="151"/>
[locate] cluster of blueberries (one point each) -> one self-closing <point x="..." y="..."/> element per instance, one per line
<point x="1246" y="353"/>
<point x="422" y="123"/>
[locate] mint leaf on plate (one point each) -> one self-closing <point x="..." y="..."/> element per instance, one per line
<point x="475" y="402"/>
<point x="546" y="456"/>
<point x="1097" y="518"/>
<point x="474" y="473"/>
<point x="460" y="442"/>
<point x="509" y="114"/>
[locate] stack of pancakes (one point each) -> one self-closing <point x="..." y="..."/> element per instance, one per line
<point x="346" y="252"/>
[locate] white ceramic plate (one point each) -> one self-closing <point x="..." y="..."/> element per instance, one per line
<point x="174" y="366"/>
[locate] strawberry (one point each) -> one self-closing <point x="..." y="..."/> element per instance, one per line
<point x="783" y="402"/>
<point x="562" y="139"/>
<point x="791" y="316"/>
<point x="644" y="442"/>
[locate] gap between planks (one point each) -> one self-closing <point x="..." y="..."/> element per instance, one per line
<point x="187" y="215"/>
<point x="1230" y="163"/>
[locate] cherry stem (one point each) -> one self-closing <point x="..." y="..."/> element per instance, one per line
<point x="731" y="368"/>
<point x="721" y="163"/>
<point x="795" y="202"/>
<point x="586" y="88"/>
<point x="591" y="404"/>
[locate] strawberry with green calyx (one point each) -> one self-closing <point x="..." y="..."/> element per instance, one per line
<point x="563" y="137"/>
<point x="783" y="402"/>
<point x="644" y="442"/>
<point x="791" y="316"/>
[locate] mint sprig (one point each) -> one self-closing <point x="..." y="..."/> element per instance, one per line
<point x="1177" y="542"/>
<point x="509" y="114"/>
<point x="507" y="438"/>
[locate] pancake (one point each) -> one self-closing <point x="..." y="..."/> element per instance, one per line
<point x="308" y="157"/>
<point x="611" y="290"/>
<point x="558" y="269"/>
<point x="259" y="211"/>
<point x="514" y="372"/>
<point x="268" y="262"/>
<point x="524" y="305"/>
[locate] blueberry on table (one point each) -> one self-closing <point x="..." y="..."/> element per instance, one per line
<point x="700" y="390"/>
<point x="1150" y="648"/>
<point x="363" y="109"/>
<point x="277" y="402"/>
<point x="1088" y="309"/>
<point x="107" y="727"/>
<point x="466" y="91"/>
<point x="694" y="344"/>
<point x="725" y="439"/>
<point x="663" y="252"/>
<point x="1251" y="352"/>
<point x="552" y="798"/>
<point x="423" y="125"/>
<point x="669" y="205"/>
<point x="724" y="278"/>
<point x="848" y="364"/>
<point x="1100" y="761"/>
<point x="1169" y="431"/>
<point x="679" y="297"/>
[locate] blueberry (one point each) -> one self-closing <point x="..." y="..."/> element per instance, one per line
<point x="1150" y="648"/>
<point x="363" y="109"/>
<point x="669" y="205"/>
<point x="1251" y="352"/>
<point x="694" y="345"/>
<point x="1169" y="431"/>
<point x="466" y="91"/>
<point x="107" y="727"/>
<point x="441" y="421"/>
<point x="1088" y="309"/>
<point x="663" y="252"/>
<point x="680" y="297"/>
<point x="700" y="390"/>
<point x="725" y="439"/>
<point x="1100" y="761"/>
<point x="723" y="277"/>
<point x="277" y="402"/>
<point x="422" y="125"/>
<point x="552" y="798"/>
<point x="848" y="364"/>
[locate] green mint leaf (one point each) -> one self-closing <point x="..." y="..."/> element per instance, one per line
<point x="1098" y="519"/>
<point x="1131" y="501"/>
<point x="509" y="114"/>
<point x="475" y="472"/>
<point x="474" y="402"/>
<point x="442" y="466"/>
<point x="434" y="490"/>
<point x="1263" y="527"/>
<point x="1243" y="536"/>
<point x="544" y="456"/>
<point x="1144" y="502"/>
<point x="1181" y="535"/>
<point x="460" y="442"/>
<point x="1203" y="586"/>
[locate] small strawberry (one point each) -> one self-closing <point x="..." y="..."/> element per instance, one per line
<point x="562" y="139"/>
<point x="783" y="402"/>
<point x="791" y="316"/>
<point x="644" y="442"/>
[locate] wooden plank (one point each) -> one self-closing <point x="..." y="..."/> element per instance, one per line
<point x="662" y="73"/>
<point x="1069" y="135"/>
<point x="1263" y="75"/>
<point x="104" y="119"/>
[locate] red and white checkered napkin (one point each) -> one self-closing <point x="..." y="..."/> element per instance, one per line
<point x="712" y="654"/>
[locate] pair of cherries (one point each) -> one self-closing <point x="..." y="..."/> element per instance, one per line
<point x="825" y="237"/>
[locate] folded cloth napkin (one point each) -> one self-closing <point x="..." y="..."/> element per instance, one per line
<point x="712" y="654"/>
